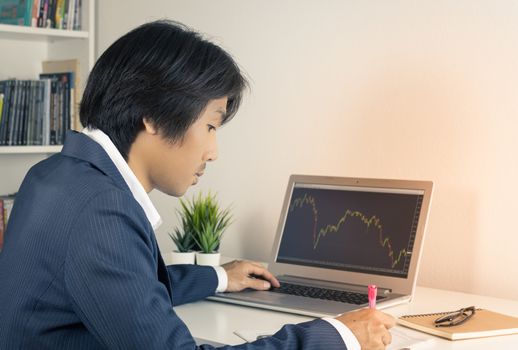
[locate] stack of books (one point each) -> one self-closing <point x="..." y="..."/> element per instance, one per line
<point x="59" y="14"/>
<point x="36" y="112"/>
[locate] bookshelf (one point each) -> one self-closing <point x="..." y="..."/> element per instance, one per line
<point x="40" y="34"/>
<point x="30" y="149"/>
<point x="23" y="51"/>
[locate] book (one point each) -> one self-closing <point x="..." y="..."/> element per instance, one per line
<point x="16" y="12"/>
<point x="15" y="114"/>
<point x="35" y="12"/>
<point x="1" y="105"/>
<point x="7" y="86"/>
<point x="69" y="66"/>
<point x="46" y="87"/>
<point x="59" y="14"/>
<point x="51" y="14"/>
<point x="484" y="323"/>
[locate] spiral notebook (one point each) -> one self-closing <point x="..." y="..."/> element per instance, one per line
<point x="484" y="323"/>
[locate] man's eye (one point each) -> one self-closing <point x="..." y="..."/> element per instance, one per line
<point x="211" y="127"/>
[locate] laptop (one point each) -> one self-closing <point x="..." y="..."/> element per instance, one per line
<point x="336" y="236"/>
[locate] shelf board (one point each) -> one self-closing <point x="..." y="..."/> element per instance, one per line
<point x="39" y="34"/>
<point x="29" y="149"/>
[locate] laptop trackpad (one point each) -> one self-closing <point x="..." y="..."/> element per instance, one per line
<point x="286" y="301"/>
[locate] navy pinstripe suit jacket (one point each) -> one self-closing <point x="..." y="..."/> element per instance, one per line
<point x="81" y="269"/>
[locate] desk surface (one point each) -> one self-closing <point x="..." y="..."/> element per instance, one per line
<point x="217" y="321"/>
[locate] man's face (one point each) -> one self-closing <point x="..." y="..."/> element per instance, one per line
<point x="172" y="168"/>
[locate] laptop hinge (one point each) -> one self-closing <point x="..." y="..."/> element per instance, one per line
<point x="328" y="284"/>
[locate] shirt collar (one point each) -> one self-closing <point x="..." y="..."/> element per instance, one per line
<point x="136" y="188"/>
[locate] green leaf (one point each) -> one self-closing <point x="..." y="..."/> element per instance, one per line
<point x="203" y="223"/>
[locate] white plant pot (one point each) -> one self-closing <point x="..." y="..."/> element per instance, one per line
<point x="208" y="259"/>
<point x="178" y="258"/>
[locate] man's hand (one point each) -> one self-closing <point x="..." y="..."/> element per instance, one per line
<point x="248" y="274"/>
<point x="370" y="328"/>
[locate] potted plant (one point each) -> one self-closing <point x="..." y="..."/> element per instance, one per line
<point x="203" y="217"/>
<point x="183" y="237"/>
<point x="184" y="244"/>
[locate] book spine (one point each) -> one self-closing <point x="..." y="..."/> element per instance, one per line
<point x="41" y="14"/>
<point x="2" y="96"/>
<point x="46" y="111"/>
<point x="53" y="116"/>
<point x="65" y="13"/>
<point x="35" y="99"/>
<point x="35" y="13"/>
<point x="40" y="90"/>
<point x="23" y="113"/>
<point x="4" y="125"/>
<point x="51" y="19"/>
<point x="11" y="110"/>
<point x="59" y="111"/>
<point x="18" y="108"/>
<point x="30" y="115"/>
<point x="67" y="109"/>
<point x="45" y="18"/>
<point x="77" y="15"/>
<point x="29" y="109"/>
<point x="27" y="20"/>
<point x="58" y="16"/>
<point x="70" y="16"/>
<point x="13" y="125"/>
<point x="3" y="85"/>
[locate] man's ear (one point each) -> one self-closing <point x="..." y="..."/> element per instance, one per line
<point x="149" y="127"/>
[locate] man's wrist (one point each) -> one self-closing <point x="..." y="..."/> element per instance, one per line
<point x="222" y="279"/>
<point x="347" y="336"/>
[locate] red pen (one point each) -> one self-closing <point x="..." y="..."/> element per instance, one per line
<point x="373" y="292"/>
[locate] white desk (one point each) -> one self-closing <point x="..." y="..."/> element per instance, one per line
<point x="217" y="321"/>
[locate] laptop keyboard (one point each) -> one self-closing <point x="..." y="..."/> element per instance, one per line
<point x="324" y="293"/>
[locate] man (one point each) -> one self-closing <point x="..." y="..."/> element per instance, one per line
<point x="81" y="268"/>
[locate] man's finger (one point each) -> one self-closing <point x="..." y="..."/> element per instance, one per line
<point x="260" y="271"/>
<point x="387" y="320"/>
<point x="255" y="263"/>
<point x="258" y="284"/>
<point x="386" y="338"/>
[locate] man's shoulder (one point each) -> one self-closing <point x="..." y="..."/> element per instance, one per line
<point x="69" y="183"/>
<point x="68" y="171"/>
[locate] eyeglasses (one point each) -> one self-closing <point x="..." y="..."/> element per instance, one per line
<point x="455" y="318"/>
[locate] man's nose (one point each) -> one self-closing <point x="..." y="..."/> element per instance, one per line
<point x="212" y="152"/>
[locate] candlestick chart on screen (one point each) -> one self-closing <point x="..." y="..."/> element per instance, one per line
<point x="351" y="230"/>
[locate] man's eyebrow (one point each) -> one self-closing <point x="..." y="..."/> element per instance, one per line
<point x="222" y="111"/>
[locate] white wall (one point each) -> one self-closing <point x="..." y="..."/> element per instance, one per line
<point x="396" y="89"/>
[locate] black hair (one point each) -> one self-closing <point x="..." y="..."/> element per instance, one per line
<point x="161" y="71"/>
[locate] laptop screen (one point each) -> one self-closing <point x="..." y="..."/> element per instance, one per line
<point x="348" y="228"/>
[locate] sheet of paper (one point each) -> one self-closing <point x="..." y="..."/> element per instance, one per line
<point x="401" y="338"/>
<point x="407" y="339"/>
